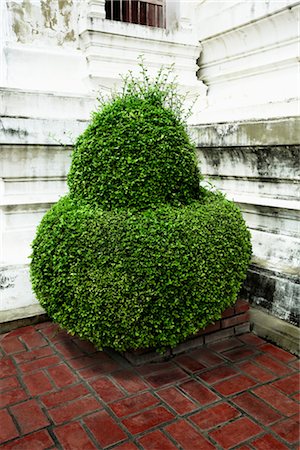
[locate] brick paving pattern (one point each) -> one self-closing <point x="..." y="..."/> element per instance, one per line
<point x="58" y="392"/>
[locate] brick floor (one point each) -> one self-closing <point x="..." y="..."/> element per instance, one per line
<point x="57" y="392"/>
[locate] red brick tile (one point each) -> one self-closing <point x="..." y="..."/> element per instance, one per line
<point x="239" y="353"/>
<point x="68" y="349"/>
<point x="229" y="312"/>
<point x="187" y="437"/>
<point x="39" y="440"/>
<point x="214" y="415"/>
<point x="251" y="339"/>
<point x="257" y="408"/>
<point x="278" y="400"/>
<point x="55" y="334"/>
<point x="98" y="369"/>
<point x="11" y="397"/>
<point x="197" y="391"/>
<point x="46" y="325"/>
<point x="126" y="446"/>
<point x="296" y="397"/>
<point x="268" y="442"/>
<point x="147" y="419"/>
<point x="151" y="368"/>
<point x="73" y="437"/>
<point x="235" y="320"/>
<point x="42" y="325"/>
<point x="134" y="404"/>
<point x="206" y="357"/>
<point x="130" y="381"/>
<point x="30" y="366"/>
<point x="7" y="367"/>
<point x="188" y="363"/>
<point x="34" y="340"/>
<point x="64" y="395"/>
<point x="104" y="429"/>
<point x="210" y="328"/>
<point x="11" y="344"/>
<point x="85" y="346"/>
<point x="288" y="385"/>
<point x="278" y="353"/>
<point x="243" y="447"/>
<point x="22" y="331"/>
<point x="160" y="379"/>
<point x="219" y="335"/>
<point x="235" y="433"/>
<point x="62" y="375"/>
<point x="74" y="409"/>
<point x="275" y="366"/>
<point x="288" y="430"/>
<point x="29" y="416"/>
<point x="156" y="441"/>
<point x="179" y="402"/>
<point x="256" y="372"/>
<point x="37" y="383"/>
<point x="241" y="306"/>
<point x="295" y="364"/>
<point x="227" y="344"/>
<point x="234" y="385"/>
<point x="7" y="430"/>
<point x="82" y="362"/>
<point x="106" y="390"/>
<point x="9" y="383"/>
<point x="33" y="354"/>
<point x="218" y="373"/>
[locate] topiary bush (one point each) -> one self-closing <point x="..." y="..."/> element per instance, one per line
<point x="138" y="254"/>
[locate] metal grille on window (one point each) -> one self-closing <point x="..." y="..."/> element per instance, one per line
<point x="150" y="12"/>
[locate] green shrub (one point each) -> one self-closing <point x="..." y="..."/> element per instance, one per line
<point x="138" y="255"/>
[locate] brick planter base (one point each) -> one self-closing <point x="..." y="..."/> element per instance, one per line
<point x="234" y="321"/>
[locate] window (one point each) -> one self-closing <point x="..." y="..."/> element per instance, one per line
<point x="150" y="12"/>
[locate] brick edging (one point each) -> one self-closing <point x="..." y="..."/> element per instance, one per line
<point x="234" y="321"/>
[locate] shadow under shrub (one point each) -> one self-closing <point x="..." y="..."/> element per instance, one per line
<point x="138" y="255"/>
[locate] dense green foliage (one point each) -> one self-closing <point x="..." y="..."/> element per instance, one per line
<point x="138" y="255"/>
<point x="135" y="153"/>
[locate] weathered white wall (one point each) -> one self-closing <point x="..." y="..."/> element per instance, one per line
<point x="56" y="55"/>
<point x="248" y="135"/>
<point x="249" y="59"/>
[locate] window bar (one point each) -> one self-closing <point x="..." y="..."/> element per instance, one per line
<point x="121" y="13"/>
<point x="139" y="12"/>
<point x="111" y="9"/>
<point x="129" y="12"/>
<point x="147" y="13"/>
<point x="156" y="24"/>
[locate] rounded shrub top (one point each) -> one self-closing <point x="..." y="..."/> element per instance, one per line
<point x="136" y="152"/>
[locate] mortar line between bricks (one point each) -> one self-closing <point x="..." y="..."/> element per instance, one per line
<point x="266" y="428"/>
<point x="44" y="409"/>
<point x="269" y="404"/>
<point x="91" y="436"/>
<point x="57" y="444"/>
<point x="205" y="433"/>
<point x="165" y="433"/>
<point x="24" y="387"/>
<point x="275" y="436"/>
<point x="276" y="377"/>
<point x="293" y="370"/>
<point x="152" y="390"/>
<point x="96" y="396"/>
<point x="228" y="400"/>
